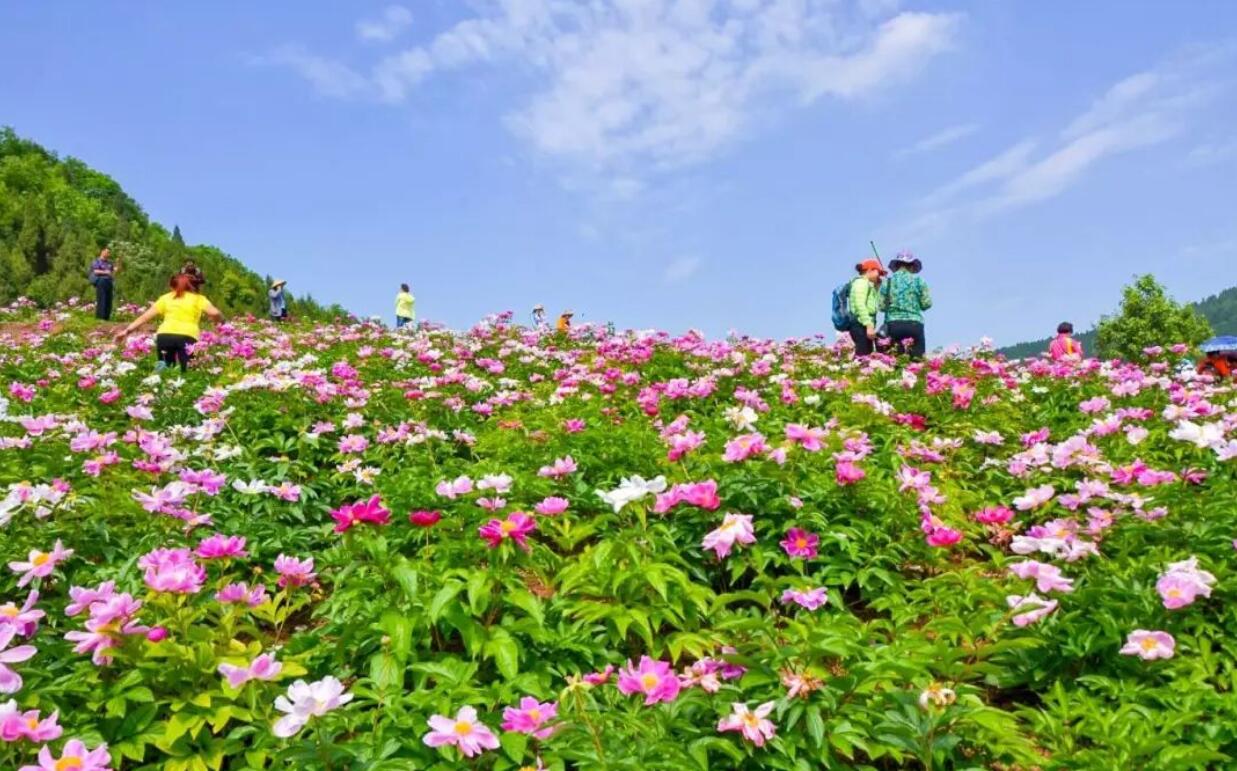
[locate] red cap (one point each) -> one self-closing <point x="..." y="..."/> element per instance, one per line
<point x="867" y="265"/>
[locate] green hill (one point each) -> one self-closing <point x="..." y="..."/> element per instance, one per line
<point x="1219" y="309"/>
<point x="57" y="213"/>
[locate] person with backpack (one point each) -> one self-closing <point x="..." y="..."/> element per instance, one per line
<point x="1064" y="347"/>
<point x="904" y="298"/>
<point x="103" y="276"/>
<point x="856" y="303"/>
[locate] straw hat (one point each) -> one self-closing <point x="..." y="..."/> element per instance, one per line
<point x="278" y="282"/>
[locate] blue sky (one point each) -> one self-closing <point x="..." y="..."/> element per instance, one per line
<point x="713" y="164"/>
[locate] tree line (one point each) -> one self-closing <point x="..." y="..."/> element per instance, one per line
<point x="56" y="214"/>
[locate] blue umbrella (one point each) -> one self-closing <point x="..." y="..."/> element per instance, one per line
<point x="1218" y="344"/>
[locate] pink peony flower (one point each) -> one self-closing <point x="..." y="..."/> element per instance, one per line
<point x="425" y="518"/>
<point x="28" y="725"/>
<point x="655" y="679"/>
<point x="240" y="592"/>
<point x="806" y="437"/>
<point x="1182" y="582"/>
<point x="753" y="724"/>
<point x="1031" y="608"/>
<point x="551" y="506"/>
<point x="264" y="667"/>
<point x="943" y="536"/>
<point x="600" y="678"/>
<point x="1149" y="645"/>
<point x="1034" y="498"/>
<point x="1047" y="577"/>
<point x="800" y="543"/>
<point x="371" y="511"/>
<point x="220" y="546"/>
<point x="530" y="717"/>
<point x="293" y="571"/>
<point x="560" y="468"/>
<point x="40" y="564"/>
<point x="10" y="681"/>
<point x="515" y="527"/>
<point x="172" y="570"/>
<point x="735" y="528"/>
<point x="463" y="731"/>
<point x="74" y="757"/>
<point x="810" y="599"/>
<point x="454" y="488"/>
<point x="993" y="515"/>
<point x="24" y="619"/>
<point x="847" y="473"/>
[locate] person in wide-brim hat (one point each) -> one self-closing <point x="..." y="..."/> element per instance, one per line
<point x="907" y="260"/>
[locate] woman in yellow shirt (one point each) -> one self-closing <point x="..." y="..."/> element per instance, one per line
<point x="181" y="309"/>
<point x="404" y="307"/>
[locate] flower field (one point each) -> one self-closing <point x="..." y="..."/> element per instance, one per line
<point x="341" y="547"/>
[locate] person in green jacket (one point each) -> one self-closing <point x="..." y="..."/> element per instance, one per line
<point x="904" y="298"/>
<point x="864" y="304"/>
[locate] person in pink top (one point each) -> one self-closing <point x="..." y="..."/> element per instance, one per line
<point x="1064" y="347"/>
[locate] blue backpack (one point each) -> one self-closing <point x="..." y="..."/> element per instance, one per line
<point x="842" y="316"/>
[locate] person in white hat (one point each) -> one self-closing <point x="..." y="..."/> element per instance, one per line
<point x="539" y="316"/>
<point x="564" y="321"/>
<point x="279" y="303"/>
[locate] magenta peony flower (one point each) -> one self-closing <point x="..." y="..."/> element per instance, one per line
<point x="515" y="527"/>
<point x="800" y="543"/>
<point x="551" y="506"/>
<point x="293" y="571"/>
<point x="753" y="724"/>
<point x="371" y="511"/>
<point x="220" y="546"/>
<point x="424" y="518"/>
<point x="530" y="717"/>
<point x="655" y="679"/>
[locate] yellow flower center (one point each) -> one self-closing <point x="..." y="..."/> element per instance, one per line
<point x="1148" y="643"/>
<point x="32" y="724"/>
<point x="751" y="720"/>
<point x="649" y="681"/>
<point x="40" y="559"/>
<point x="1174" y="592"/>
<point x="68" y="764"/>
<point x="507" y="526"/>
<point x="463" y="727"/>
<point x="9" y="610"/>
<point x="801" y="543"/>
<point x="535" y="715"/>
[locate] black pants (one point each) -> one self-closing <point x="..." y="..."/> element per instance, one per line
<point x="172" y="349"/>
<point x="103" y="298"/>
<point x="859" y="334"/>
<point x="908" y="330"/>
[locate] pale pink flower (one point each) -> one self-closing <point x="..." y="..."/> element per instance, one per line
<point x="1148" y="645"/>
<point x="1047" y="577"/>
<point x="753" y="724"/>
<point x="453" y="489"/>
<point x="560" y="468"/>
<point x="40" y="564"/>
<point x="464" y="731"/>
<point x="293" y="571"/>
<point x="551" y="506"/>
<point x="308" y="700"/>
<point x="1031" y="608"/>
<point x="810" y="599"/>
<point x="24" y="619"/>
<point x="735" y="528"/>
<point x="28" y="725"/>
<point x="10" y="681"/>
<point x="264" y="667"/>
<point x="1034" y="498"/>
<point x="530" y="717"/>
<point x="74" y="757"/>
<point x="172" y="570"/>
<point x="806" y="437"/>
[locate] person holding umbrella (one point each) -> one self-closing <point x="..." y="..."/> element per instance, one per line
<point x="904" y="298"/>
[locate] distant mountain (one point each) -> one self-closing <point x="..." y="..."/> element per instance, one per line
<point x="1219" y="309"/>
<point x="57" y="213"/>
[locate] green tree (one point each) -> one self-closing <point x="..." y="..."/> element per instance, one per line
<point x="1148" y="317"/>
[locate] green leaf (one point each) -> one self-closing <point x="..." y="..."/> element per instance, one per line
<point x="385" y="670"/>
<point x="506" y="654"/>
<point x="444" y="595"/>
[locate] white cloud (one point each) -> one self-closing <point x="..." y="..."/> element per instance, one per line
<point x="1140" y="111"/>
<point x="681" y="269"/>
<point x="626" y="86"/>
<point x="1212" y="153"/>
<point x="328" y="77"/>
<point x="938" y="140"/>
<point x="394" y="20"/>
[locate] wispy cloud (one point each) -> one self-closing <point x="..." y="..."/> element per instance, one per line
<point x="394" y="20"/>
<point x="681" y="269"/>
<point x="627" y="88"/>
<point x="1140" y="111"/>
<point x="1212" y="153"/>
<point x="938" y="140"/>
<point x="327" y="76"/>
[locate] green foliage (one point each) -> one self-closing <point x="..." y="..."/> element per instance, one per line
<point x="1148" y="317"/>
<point x="55" y="216"/>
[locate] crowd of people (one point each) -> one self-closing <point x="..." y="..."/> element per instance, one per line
<point x="898" y="293"/>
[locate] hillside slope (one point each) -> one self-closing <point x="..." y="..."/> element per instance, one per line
<point x="57" y="213"/>
<point x="1219" y="309"/>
